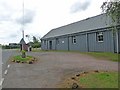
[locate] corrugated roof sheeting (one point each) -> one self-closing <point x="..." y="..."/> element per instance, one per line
<point x="96" y="22"/>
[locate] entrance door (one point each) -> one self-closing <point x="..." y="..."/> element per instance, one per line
<point x="50" y="44"/>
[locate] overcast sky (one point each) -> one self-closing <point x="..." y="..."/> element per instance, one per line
<point x="40" y="16"/>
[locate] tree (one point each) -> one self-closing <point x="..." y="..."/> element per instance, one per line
<point x="36" y="43"/>
<point x="35" y="40"/>
<point x="112" y="8"/>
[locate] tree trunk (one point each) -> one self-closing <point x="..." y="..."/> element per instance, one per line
<point x="23" y="55"/>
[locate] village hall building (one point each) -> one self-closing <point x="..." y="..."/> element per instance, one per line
<point x="94" y="34"/>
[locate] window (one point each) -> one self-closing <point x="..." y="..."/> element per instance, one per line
<point x="57" y="41"/>
<point x="62" y="41"/>
<point x="73" y="39"/>
<point x="99" y="36"/>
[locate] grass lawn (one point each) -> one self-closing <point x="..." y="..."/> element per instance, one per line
<point x="22" y="59"/>
<point x="104" y="55"/>
<point x="92" y="79"/>
<point x="99" y="80"/>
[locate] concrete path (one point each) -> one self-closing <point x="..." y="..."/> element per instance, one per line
<point x="51" y="68"/>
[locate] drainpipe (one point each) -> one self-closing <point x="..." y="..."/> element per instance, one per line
<point x="117" y="42"/>
<point x="55" y="43"/>
<point x="87" y="44"/>
<point x="68" y="44"/>
<point x="113" y="38"/>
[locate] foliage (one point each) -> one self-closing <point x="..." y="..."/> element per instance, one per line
<point x="35" y="40"/>
<point x="36" y="43"/>
<point x="5" y="47"/>
<point x="23" y="51"/>
<point x="10" y="47"/>
<point x="23" y="54"/>
<point x="112" y="8"/>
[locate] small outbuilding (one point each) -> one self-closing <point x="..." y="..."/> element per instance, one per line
<point x="23" y="45"/>
<point x="94" y="34"/>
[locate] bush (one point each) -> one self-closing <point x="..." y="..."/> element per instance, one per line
<point x="23" y="54"/>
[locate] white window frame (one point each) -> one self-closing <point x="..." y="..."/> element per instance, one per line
<point x="74" y="39"/>
<point x="63" y="41"/>
<point x="98" y="36"/>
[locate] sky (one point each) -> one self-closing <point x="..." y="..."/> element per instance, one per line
<point x="41" y="16"/>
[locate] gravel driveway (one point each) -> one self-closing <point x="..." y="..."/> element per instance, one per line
<point x="51" y="68"/>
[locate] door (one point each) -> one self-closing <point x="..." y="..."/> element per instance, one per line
<point x="50" y="45"/>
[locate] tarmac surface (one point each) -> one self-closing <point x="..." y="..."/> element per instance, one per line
<point x="51" y="68"/>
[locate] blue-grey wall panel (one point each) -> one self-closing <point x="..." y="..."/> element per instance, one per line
<point x="108" y="41"/>
<point x="80" y="44"/>
<point x="105" y="46"/>
<point x="91" y="41"/>
<point x="43" y="45"/>
<point x="119" y="39"/>
<point x="63" y="44"/>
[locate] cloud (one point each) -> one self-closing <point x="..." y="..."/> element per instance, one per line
<point x="6" y="12"/>
<point x="5" y="18"/>
<point x="79" y="6"/>
<point x="12" y="36"/>
<point x="28" y="17"/>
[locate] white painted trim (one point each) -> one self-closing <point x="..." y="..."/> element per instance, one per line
<point x="100" y="41"/>
<point x="6" y="71"/>
<point x="8" y="66"/>
<point x="1" y="82"/>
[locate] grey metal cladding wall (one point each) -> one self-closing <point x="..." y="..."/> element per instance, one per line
<point x="43" y="45"/>
<point x="108" y="41"/>
<point x="91" y="41"/>
<point x="53" y="44"/>
<point x="63" y="44"/>
<point x="92" y="23"/>
<point x="80" y="44"/>
<point x="105" y="46"/>
<point x="119" y="39"/>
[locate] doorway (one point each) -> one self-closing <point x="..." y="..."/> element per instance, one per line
<point x="50" y="45"/>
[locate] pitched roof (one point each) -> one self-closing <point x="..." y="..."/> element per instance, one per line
<point x="99" y="21"/>
<point x="22" y="41"/>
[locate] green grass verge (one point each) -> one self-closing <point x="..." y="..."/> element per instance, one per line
<point x="100" y="80"/>
<point x="104" y="55"/>
<point x="22" y="59"/>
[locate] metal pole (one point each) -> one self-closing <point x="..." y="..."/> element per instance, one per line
<point x="23" y="20"/>
<point x="23" y="25"/>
